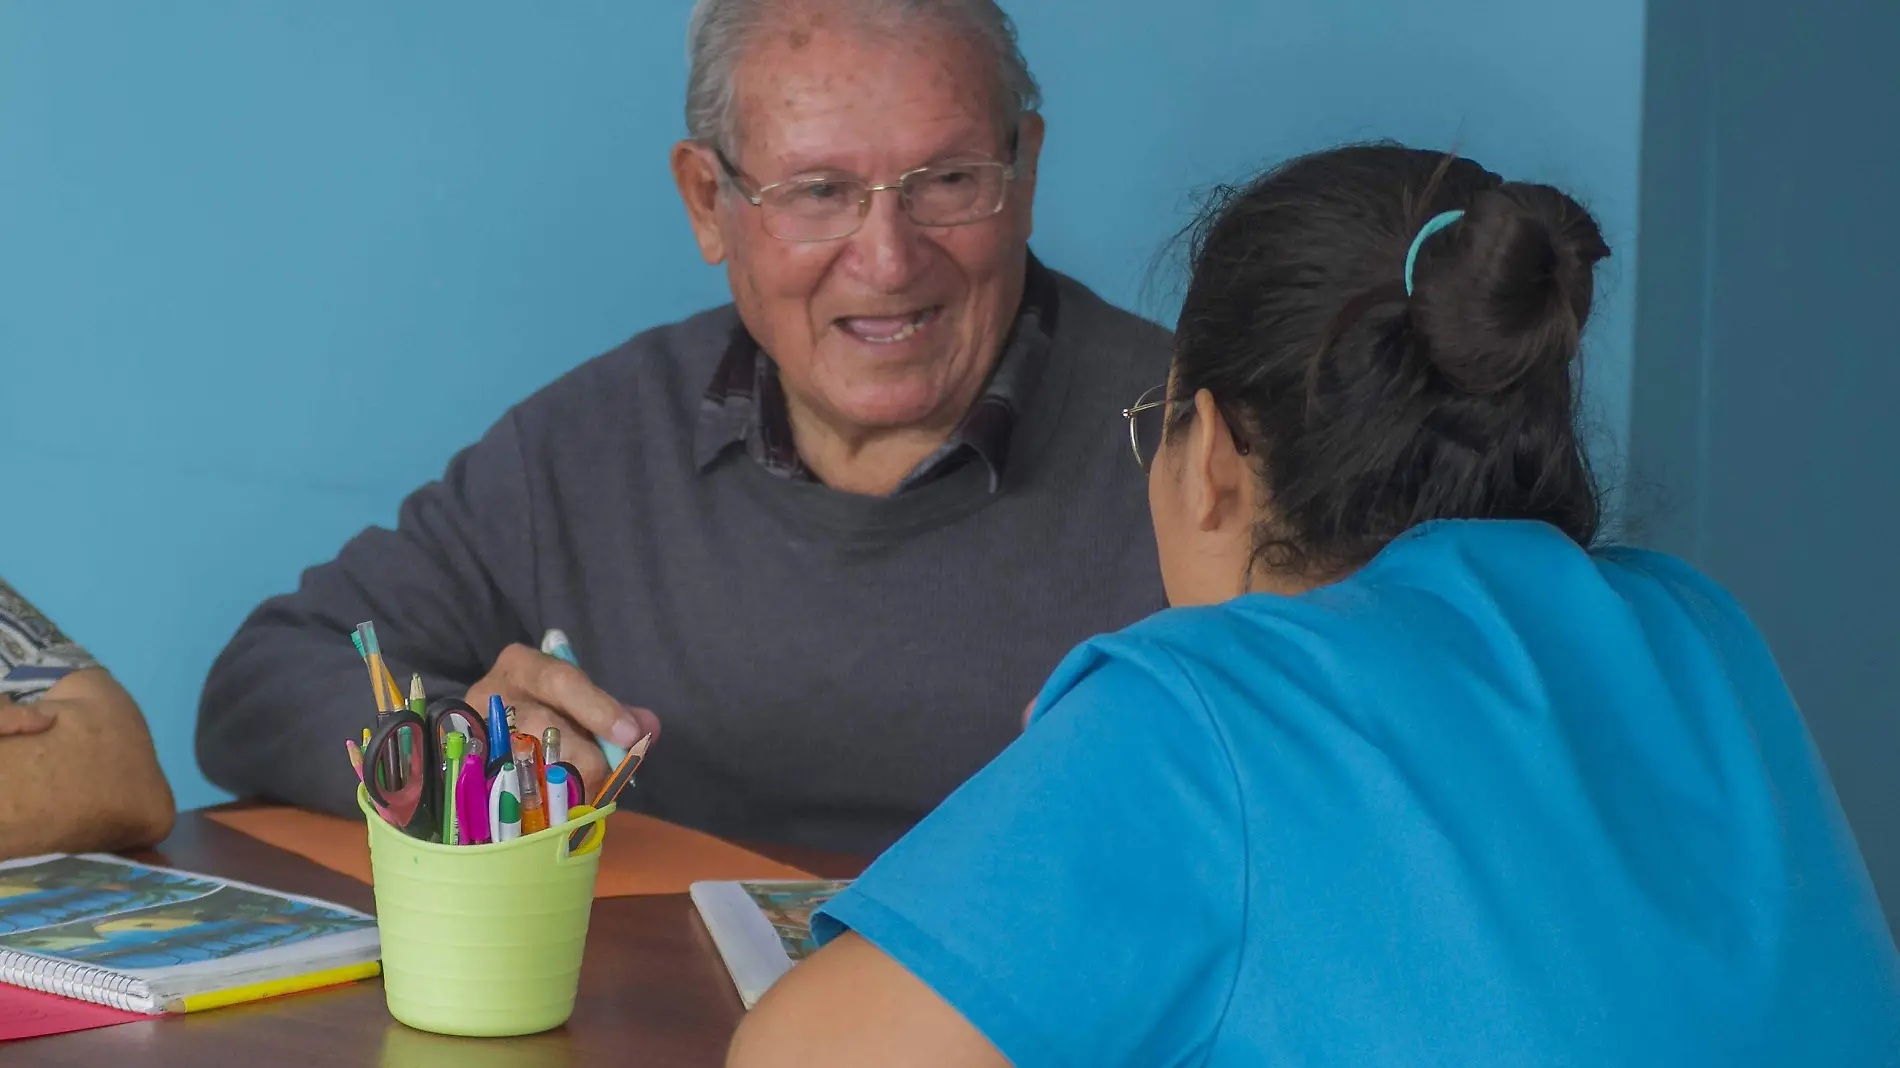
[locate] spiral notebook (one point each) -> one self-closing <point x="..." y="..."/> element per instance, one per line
<point x="762" y="928"/>
<point x="155" y="940"/>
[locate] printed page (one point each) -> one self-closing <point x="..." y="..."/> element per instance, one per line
<point x="214" y="926"/>
<point x="788" y="907"/>
<point x="49" y="891"/>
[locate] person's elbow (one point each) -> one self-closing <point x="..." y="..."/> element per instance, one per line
<point x="851" y="1006"/>
<point x="99" y="728"/>
<point x="227" y="741"/>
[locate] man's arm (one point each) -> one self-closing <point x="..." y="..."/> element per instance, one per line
<point x="89" y="781"/>
<point x="445" y="589"/>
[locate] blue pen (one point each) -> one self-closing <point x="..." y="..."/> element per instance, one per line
<point x="499" y="749"/>
<point x="554" y="644"/>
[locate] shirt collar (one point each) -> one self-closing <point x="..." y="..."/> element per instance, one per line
<point x="744" y="404"/>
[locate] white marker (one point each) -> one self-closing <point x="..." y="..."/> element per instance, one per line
<point x="557" y="795"/>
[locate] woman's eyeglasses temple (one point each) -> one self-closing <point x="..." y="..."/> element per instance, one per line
<point x="1156" y="397"/>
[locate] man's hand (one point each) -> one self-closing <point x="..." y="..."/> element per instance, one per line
<point x="23" y="719"/>
<point x="547" y="692"/>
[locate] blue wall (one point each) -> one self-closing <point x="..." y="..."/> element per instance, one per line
<point x="1769" y="353"/>
<point x="264" y="266"/>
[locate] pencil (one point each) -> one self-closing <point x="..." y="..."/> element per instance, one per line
<point x="628" y="765"/>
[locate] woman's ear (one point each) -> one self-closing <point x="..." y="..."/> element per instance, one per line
<point x="1219" y="488"/>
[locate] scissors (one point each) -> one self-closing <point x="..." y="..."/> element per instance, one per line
<point x="412" y="746"/>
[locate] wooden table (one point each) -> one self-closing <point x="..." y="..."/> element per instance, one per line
<point x="653" y="992"/>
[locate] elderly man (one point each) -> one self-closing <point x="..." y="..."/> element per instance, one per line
<point x="836" y="533"/>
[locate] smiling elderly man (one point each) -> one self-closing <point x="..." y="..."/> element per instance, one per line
<point x="836" y="533"/>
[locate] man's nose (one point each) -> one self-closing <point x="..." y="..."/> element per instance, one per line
<point x="891" y="249"/>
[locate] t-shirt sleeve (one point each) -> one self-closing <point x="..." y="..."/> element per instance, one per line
<point x="1080" y="900"/>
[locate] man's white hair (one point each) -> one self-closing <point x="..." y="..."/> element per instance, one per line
<point x="720" y="31"/>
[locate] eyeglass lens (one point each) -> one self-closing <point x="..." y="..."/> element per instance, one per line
<point x="823" y="208"/>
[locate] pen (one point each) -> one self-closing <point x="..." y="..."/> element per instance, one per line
<point x="554" y="643"/>
<point x="551" y="758"/>
<point x="528" y="777"/>
<point x="504" y="804"/>
<point x="454" y="748"/>
<point x="557" y="795"/>
<point x="498" y="748"/>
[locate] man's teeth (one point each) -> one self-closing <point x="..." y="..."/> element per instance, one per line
<point x="878" y="330"/>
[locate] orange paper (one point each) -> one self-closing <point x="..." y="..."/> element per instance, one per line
<point x="642" y="855"/>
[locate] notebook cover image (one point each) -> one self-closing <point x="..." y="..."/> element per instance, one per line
<point x="788" y="908"/>
<point x="70" y="888"/>
<point x="213" y="925"/>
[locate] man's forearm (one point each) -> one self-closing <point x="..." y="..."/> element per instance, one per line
<point x="289" y="689"/>
<point x="91" y="781"/>
<point x="278" y="706"/>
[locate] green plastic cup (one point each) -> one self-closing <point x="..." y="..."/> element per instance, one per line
<point x="482" y="940"/>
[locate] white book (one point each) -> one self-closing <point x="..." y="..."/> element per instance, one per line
<point x="762" y="928"/>
<point x="150" y="939"/>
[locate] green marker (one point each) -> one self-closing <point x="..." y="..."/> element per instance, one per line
<point x="454" y="748"/>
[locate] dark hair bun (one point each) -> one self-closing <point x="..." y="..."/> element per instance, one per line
<point x="1368" y="410"/>
<point x="1500" y="298"/>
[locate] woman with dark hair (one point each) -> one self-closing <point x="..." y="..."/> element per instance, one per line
<point x="1414" y="772"/>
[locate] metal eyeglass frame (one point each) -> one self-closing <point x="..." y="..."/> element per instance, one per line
<point x="756" y="197"/>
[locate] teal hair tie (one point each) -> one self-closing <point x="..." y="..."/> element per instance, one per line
<point x="1436" y="223"/>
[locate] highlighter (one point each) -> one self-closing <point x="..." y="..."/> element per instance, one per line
<point x="504" y="804"/>
<point x="454" y="748"/>
<point x="471" y="801"/>
<point x="534" y="816"/>
<point x="555" y="644"/>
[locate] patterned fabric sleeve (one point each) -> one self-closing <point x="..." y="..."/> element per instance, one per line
<point x="33" y="653"/>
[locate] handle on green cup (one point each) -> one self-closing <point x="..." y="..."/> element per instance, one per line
<point x="585" y="819"/>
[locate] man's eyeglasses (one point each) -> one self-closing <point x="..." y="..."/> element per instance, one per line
<point x="1148" y="421"/>
<point x="824" y="209"/>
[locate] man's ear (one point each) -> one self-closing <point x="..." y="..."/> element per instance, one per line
<point x="1219" y="479"/>
<point x="1029" y="134"/>
<point x="697" y="175"/>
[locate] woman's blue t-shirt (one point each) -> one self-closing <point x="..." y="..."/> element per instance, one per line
<point x="1490" y="800"/>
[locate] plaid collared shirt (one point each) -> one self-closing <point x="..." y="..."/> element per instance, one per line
<point x="745" y="403"/>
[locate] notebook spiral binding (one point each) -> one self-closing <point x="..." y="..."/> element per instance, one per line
<point x="67" y="979"/>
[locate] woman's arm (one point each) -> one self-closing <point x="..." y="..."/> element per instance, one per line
<point x="90" y="781"/>
<point x="851" y="1006"/>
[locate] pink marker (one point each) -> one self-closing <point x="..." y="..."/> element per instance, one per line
<point x="471" y="801"/>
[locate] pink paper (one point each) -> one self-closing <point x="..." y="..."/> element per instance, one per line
<point x="29" y="1014"/>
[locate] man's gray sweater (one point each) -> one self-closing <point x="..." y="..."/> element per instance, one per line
<point x="828" y="666"/>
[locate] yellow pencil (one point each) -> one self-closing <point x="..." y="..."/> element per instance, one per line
<point x="217" y="999"/>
